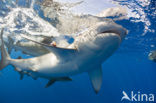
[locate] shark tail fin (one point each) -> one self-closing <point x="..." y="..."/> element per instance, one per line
<point x="4" y="54"/>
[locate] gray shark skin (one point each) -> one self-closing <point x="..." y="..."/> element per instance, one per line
<point x="86" y="54"/>
<point x="152" y="56"/>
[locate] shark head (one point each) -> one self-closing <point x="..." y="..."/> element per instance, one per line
<point x="111" y="27"/>
<point x="101" y="37"/>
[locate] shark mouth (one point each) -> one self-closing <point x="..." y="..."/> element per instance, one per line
<point x="111" y="31"/>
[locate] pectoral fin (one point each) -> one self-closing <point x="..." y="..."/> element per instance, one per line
<point x="96" y="79"/>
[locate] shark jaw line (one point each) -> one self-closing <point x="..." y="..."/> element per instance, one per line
<point x="112" y="33"/>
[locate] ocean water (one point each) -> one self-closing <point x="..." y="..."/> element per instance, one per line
<point x="128" y="69"/>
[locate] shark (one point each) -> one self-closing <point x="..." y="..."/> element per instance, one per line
<point x="85" y="54"/>
<point x="28" y="47"/>
<point x="33" y="49"/>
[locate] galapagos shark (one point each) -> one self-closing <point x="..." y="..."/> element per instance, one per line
<point x="86" y="54"/>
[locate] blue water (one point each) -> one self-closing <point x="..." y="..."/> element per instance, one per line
<point x="128" y="69"/>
